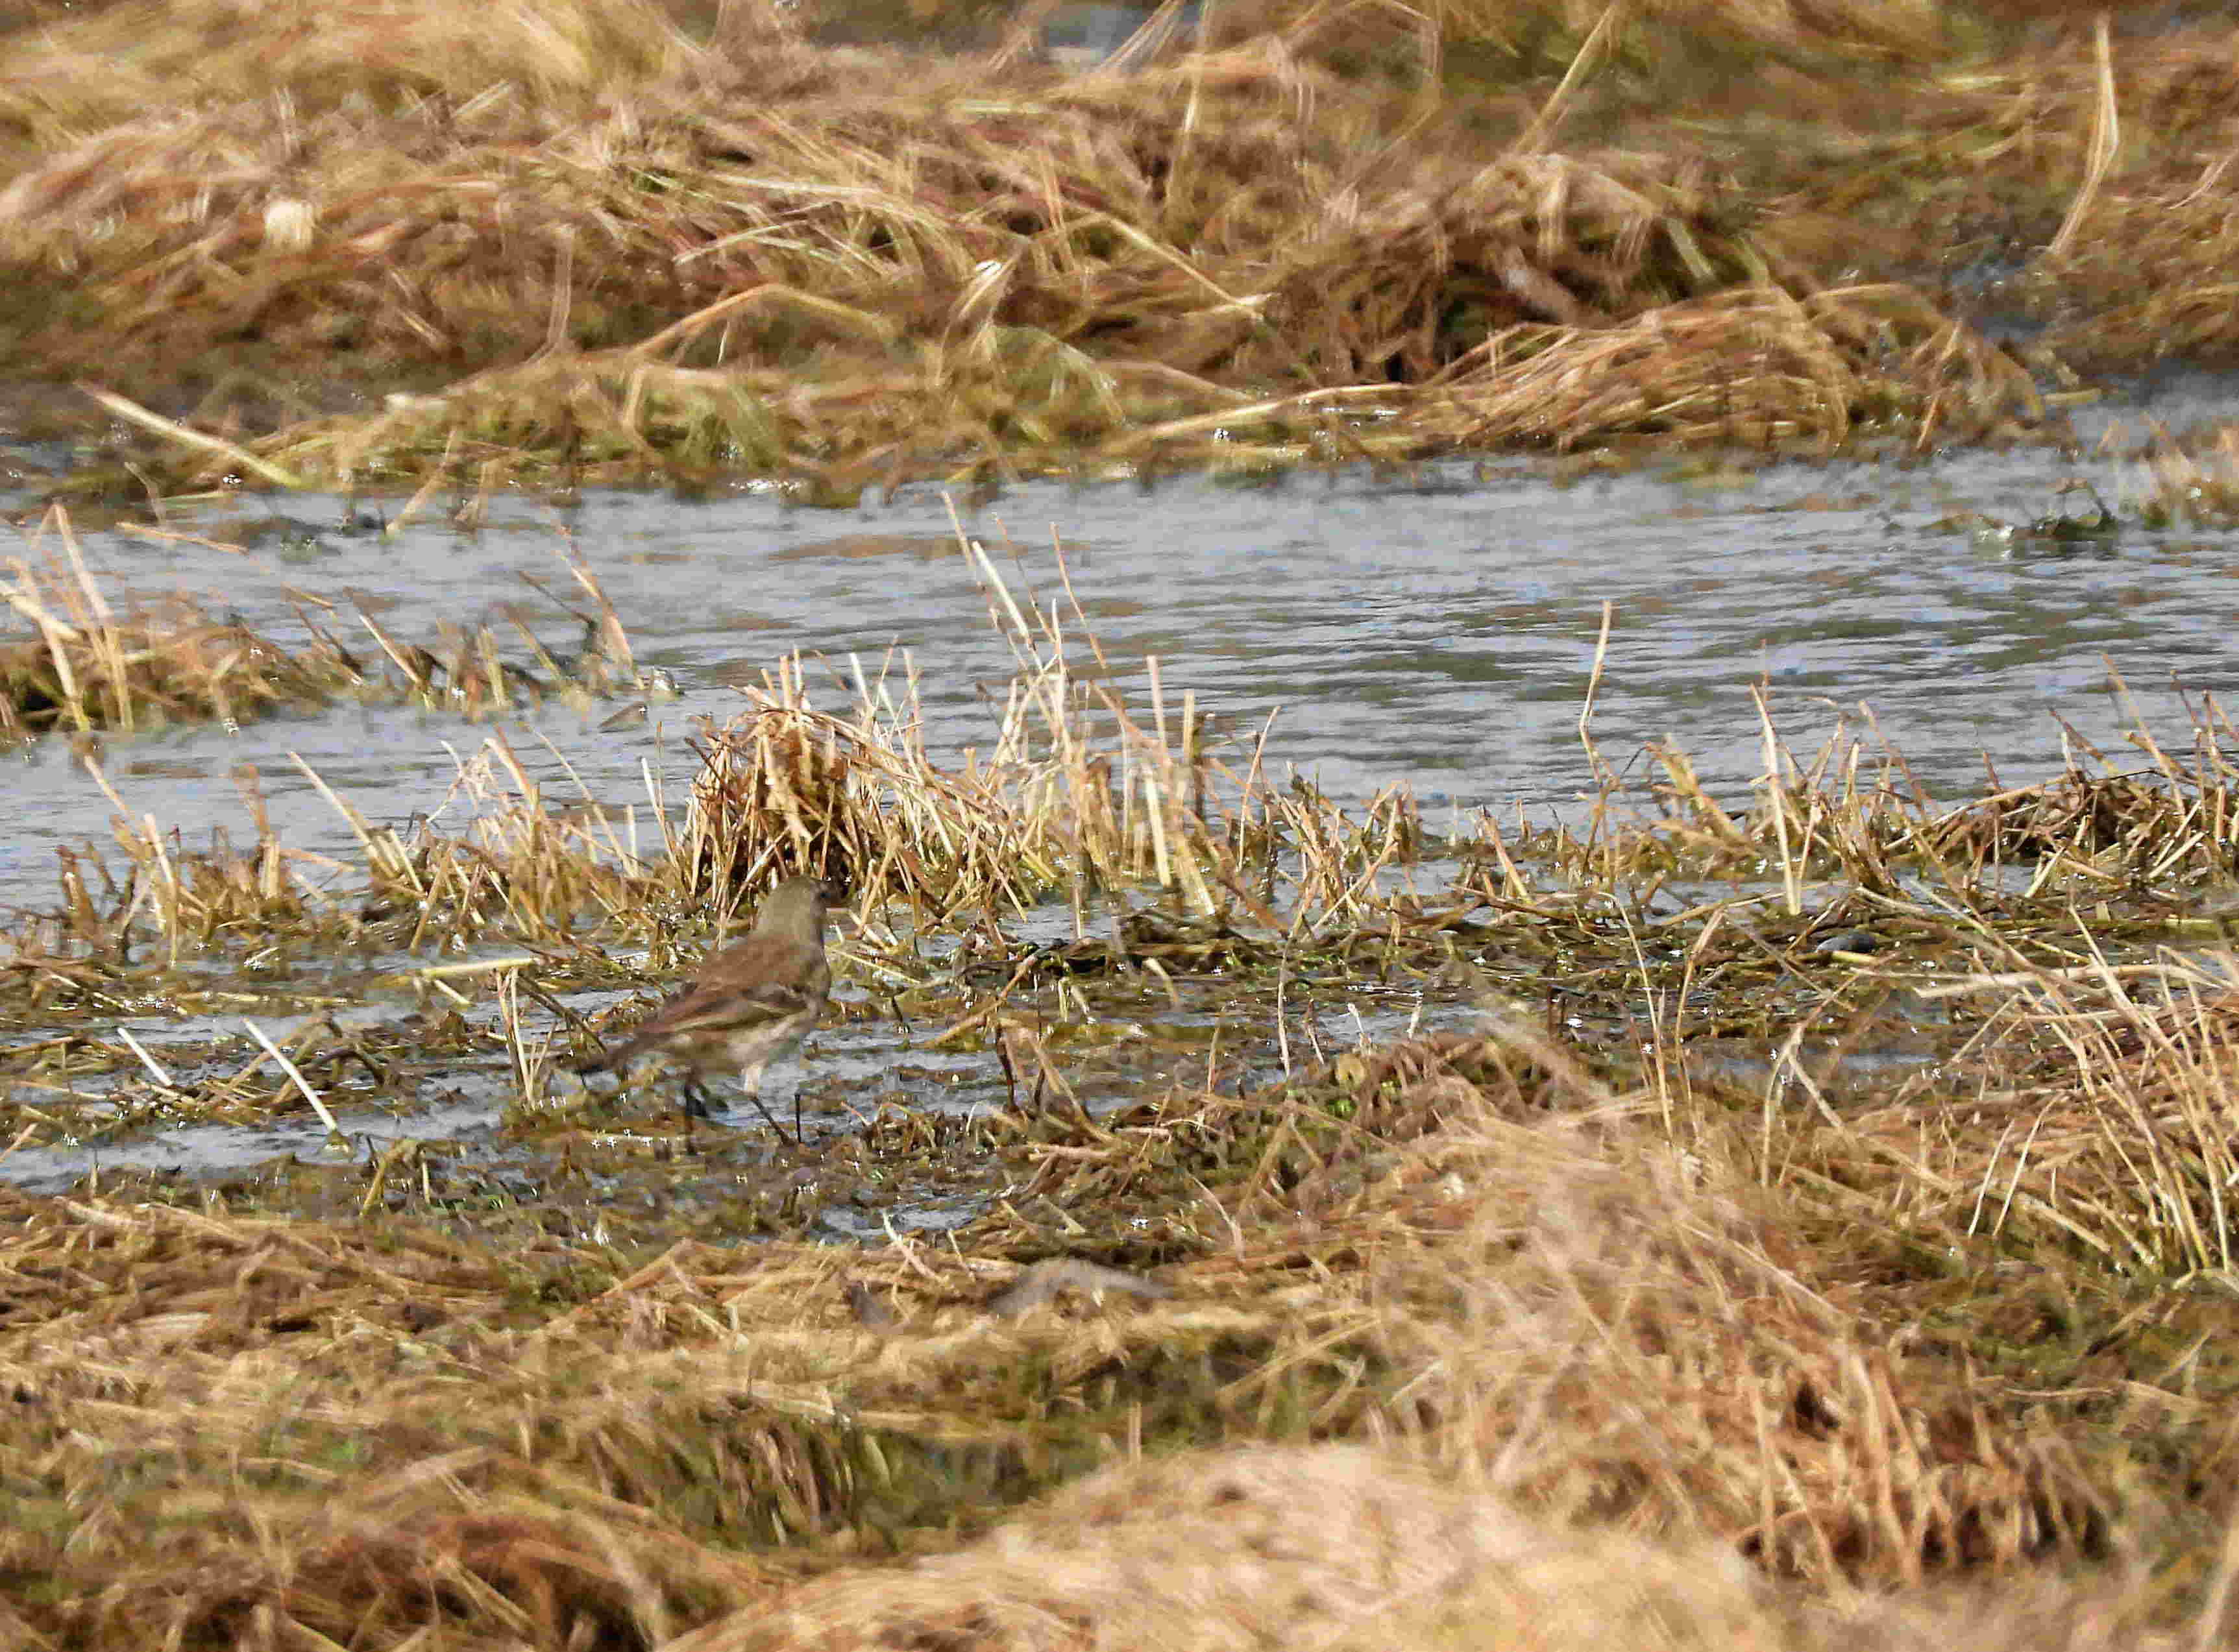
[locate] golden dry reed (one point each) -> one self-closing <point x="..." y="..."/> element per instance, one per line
<point x="572" y="240"/>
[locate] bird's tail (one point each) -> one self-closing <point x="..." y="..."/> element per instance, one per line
<point x="650" y="1035"/>
<point x="609" y="1058"/>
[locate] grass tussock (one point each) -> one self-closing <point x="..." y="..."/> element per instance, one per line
<point x="2192" y="484"/>
<point x="1570" y="1289"/>
<point x="2135" y="274"/>
<point x="771" y="262"/>
<point x="2098" y="1123"/>
<point x="1207" y="1553"/>
<point x="87" y="668"/>
<point x="2080" y="175"/>
<point x="84" y="668"/>
<point x="1076" y="787"/>
<point x="1535" y="1295"/>
<point x="110" y="65"/>
<point x="1753" y="367"/>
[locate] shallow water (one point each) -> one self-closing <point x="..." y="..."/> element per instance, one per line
<point x="1437" y="630"/>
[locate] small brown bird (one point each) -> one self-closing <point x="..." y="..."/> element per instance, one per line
<point x="750" y="1004"/>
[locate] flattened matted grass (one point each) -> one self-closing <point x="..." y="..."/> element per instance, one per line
<point x="224" y="1427"/>
<point x="784" y="264"/>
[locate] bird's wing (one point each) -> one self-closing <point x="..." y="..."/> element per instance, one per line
<point x="773" y="970"/>
<point x="762" y="979"/>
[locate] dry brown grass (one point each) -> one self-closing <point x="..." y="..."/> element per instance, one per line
<point x="1209" y="1552"/>
<point x="606" y="247"/>
<point x="2144" y="275"/>
<point x="85" y="667"/>
<point x="1359" y="1549"/>
<point x="658" y="260"/>
<point x="1474" y="1322"/>
<point x="1537" y="1297"/>
<point x="1594" y="1305"/>
<point x="2099" y="1121"/>
<point x="138" y="66"/>
<point x="2191" y="480"/>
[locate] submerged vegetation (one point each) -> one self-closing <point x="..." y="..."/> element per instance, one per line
<point x="86" y="669"/>
<point x="1797" y="1222"/>
<point x="1833" y="1192"/>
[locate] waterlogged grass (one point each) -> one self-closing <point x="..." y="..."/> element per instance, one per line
<point x="83" y="667"/>
<point x="1831" y="1191"/>
<point x="1814" y="1212"/>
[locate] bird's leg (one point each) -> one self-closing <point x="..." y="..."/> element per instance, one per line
<point x="752" y="1082"/>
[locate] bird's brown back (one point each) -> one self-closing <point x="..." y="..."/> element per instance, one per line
<point x="759" y="976"/>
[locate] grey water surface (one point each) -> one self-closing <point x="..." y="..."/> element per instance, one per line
<point x="1436" y="629"/>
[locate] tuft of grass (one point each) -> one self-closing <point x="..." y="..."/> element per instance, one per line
<point x="1256" y="255"/>
<point x="1860" y="1219"/>
<point x="86" y="668"/>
